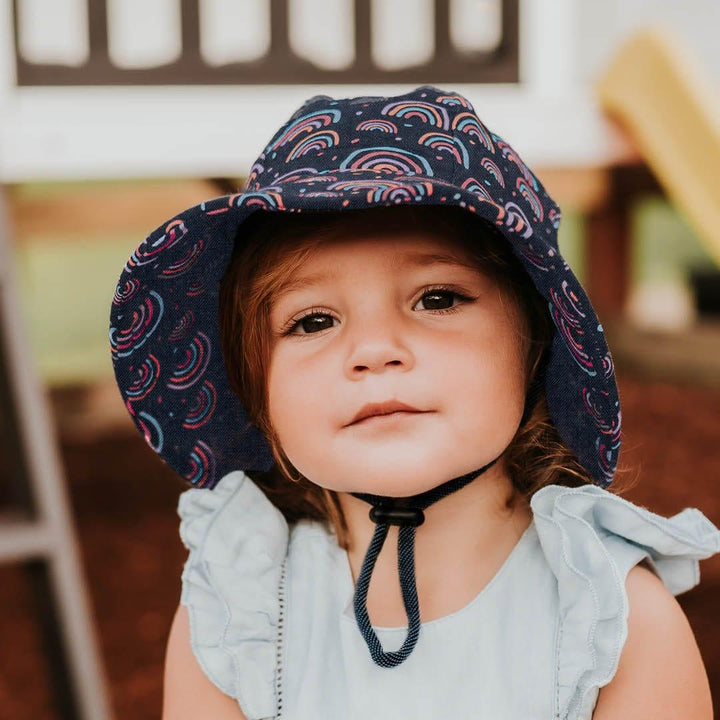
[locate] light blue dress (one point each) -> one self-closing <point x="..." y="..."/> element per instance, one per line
<point x="272" y="623"/>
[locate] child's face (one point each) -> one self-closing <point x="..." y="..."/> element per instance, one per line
<point x="373" y="329"/>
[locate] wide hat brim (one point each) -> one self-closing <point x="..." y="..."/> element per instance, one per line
<point x="165" y="343"/>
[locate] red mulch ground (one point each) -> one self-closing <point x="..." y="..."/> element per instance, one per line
<point x="124" y="501"/>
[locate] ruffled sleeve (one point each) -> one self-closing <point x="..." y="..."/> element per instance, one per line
<point x="238" y="542"/>
<point x="591" y="538"/>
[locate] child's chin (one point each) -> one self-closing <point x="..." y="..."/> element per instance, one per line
<point x="395" y="482"/>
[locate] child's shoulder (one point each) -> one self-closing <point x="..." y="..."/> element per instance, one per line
<point x="660" y="672"/>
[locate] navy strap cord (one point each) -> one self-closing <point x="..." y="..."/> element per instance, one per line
<point x="385" y="512"/>
<point x="408" y="514"/>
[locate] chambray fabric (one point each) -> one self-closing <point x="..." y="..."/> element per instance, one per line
<point x="272" y="623"/>
<point x="424" y="147"/>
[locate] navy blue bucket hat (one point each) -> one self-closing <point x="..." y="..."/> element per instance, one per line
<point x="426" y="147"/>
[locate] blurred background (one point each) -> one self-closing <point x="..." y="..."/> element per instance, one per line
<point x="117" y="114"/>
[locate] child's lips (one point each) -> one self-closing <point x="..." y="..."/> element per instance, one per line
<point x="387" y="417"/>
<point x="383" y="409"/>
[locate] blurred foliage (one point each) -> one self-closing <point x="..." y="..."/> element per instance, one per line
<point x="67" y="285"/>
<point x="664" y="247"/>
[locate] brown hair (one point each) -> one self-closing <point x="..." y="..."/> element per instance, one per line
<point x="268" y="249"/>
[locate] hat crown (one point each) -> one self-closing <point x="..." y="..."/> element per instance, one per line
<point x="425" y="133"/>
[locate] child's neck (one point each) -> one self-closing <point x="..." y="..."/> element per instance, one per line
<point x="465" y="539"/>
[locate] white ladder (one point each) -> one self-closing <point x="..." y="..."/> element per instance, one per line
<point x="38" y="532"/>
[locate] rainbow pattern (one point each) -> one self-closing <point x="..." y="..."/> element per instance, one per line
<point x="387" y="159"/>
<point x="509" y="154"/>
<point x="147" y="375"/>
<point x="426" y="112"/>
<point x="386" y="190"/>
<point x="568" y="318"/>
<point x="270" y="200"/>
<point x="306" y="124"/>
<point x="442" y="142"/>
<point x="201" y="465"/>
<point x="192" y="365"/>
<point x="469" y="124"/>
<point x="149" y="249"/>
<point x="517" y="221"/>
<point x="494" y="170"/>
<point x="314" y="143"/>
<point x="183" y="327"/>
<point x="473" y="185"/>
<point x="532" y="199"/>
<point x="143" y="322"/>
<point x="454" y="100"/>
<point x="152" y="431"/>
<point x="184" y="263"/>
<point x="126" y="290"/>
<point x="378" y="124"/>
<point x="202" y="406"/>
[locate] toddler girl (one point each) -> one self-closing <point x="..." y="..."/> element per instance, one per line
<point x="398" y="413"/>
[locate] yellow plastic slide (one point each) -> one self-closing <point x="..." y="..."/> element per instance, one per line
<point x="671" y="110"/>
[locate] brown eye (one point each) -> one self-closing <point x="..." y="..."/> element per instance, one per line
<point x="438" y="299"/>
<point x="442" y="299"/>
<point x="311" y="323"/>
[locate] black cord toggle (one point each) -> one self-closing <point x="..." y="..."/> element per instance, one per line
<point x="404" y="516"/>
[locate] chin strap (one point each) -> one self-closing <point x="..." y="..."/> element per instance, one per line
<point x="408" y="514"/>
<point x="388" y="511"/>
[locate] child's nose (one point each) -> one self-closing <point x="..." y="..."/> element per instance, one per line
<point x="377" y="346"/>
